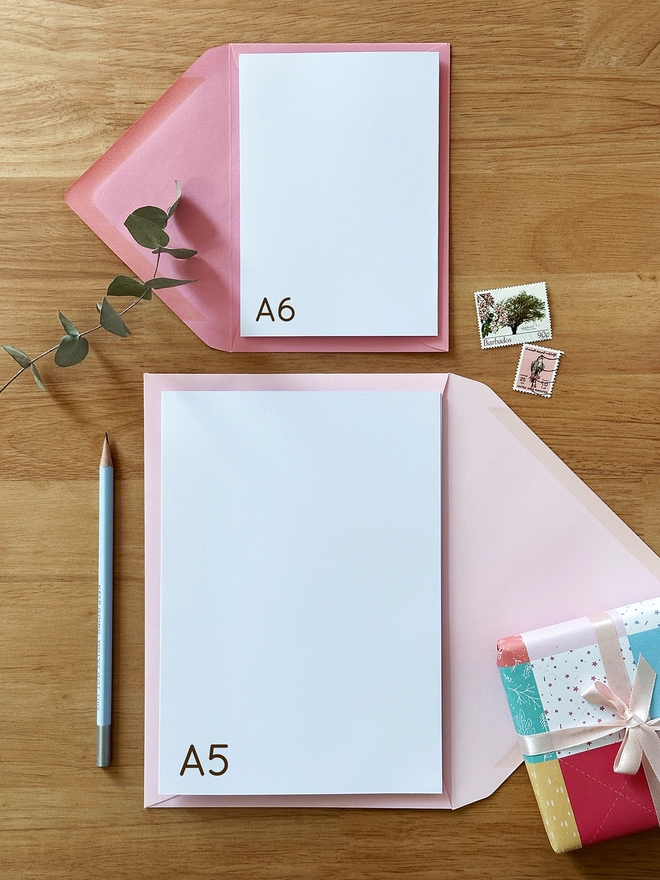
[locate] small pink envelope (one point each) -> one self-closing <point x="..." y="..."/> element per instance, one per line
<point x="191" y="134"/>
<point x="525" y="544"/>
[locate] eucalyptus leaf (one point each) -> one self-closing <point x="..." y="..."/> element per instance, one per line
<point x="158" y="283"/>
<point x="37" y="377"/>
<point x="19" y="356"/>
<point x="155" y="215"/>
<point x="111" y="321"/>
<point x="71" y="350"/>
<point x="145" y="232"/>
<point x="123" y="285"/>
<point x="69" y="327"/>
<point x="178" y="253"/>
<point x="98" y="308"/>
<point x="173" y="207"/>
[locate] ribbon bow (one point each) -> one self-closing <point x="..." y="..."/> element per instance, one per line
<point x="641" y="735"/>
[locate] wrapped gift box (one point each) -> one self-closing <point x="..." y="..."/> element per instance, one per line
<point x="546" y="674"/>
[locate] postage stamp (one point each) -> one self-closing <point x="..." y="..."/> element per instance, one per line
<point x="537" y="368"/>
<point x="512" y="315"/>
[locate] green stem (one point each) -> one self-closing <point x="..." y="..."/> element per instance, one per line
<point x="23" y="369"/>
<point x="15" y="376"/>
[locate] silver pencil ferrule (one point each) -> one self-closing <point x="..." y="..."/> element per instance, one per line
<point x="103" y="746"/>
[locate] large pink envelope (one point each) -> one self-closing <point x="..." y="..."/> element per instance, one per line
<point x="191" y="134"/>
<point x="525" y="544"/>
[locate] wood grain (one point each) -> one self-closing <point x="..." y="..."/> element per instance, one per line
<point x="555" y="176"/>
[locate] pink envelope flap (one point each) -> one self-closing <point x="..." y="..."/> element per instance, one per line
<point x="191" y="135"/>
<point x="525" y="544"/>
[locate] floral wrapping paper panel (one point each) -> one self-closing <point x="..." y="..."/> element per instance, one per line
<point x="525" y="703"/>
<point x="581" y="799"/>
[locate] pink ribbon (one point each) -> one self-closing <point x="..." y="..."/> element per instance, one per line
<point x="640" y="737"/>
<point x="640" y="745"/>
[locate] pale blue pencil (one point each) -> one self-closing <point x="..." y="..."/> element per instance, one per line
<point x="104" y="668"/>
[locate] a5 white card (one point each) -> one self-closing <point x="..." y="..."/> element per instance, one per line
<point x="339" y="193"/>
<point x="300" y="593"/>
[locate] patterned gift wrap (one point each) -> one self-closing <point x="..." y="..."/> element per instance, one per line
<point x="545" y="673"/>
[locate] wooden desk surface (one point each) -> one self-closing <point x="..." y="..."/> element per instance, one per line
<point x="555" y="175"/>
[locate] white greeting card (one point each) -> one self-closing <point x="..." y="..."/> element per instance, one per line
<point x="339" y="193"/>
<point x="300" y="593"/>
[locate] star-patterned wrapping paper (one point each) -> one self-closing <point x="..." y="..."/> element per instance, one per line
<point x="544" y="672"/>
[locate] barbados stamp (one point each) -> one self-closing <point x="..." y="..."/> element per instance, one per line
<point x="513" y="315"/>
<point x="537" y="368"/>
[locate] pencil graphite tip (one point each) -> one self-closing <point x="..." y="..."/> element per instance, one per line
<point x="106" y="455"/>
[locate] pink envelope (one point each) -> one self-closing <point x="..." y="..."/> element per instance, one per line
<point x="191" y="135"/>
<point x="525" y="544"/>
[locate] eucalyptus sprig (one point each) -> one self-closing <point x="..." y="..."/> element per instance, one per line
<point x="147" y="226"/>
